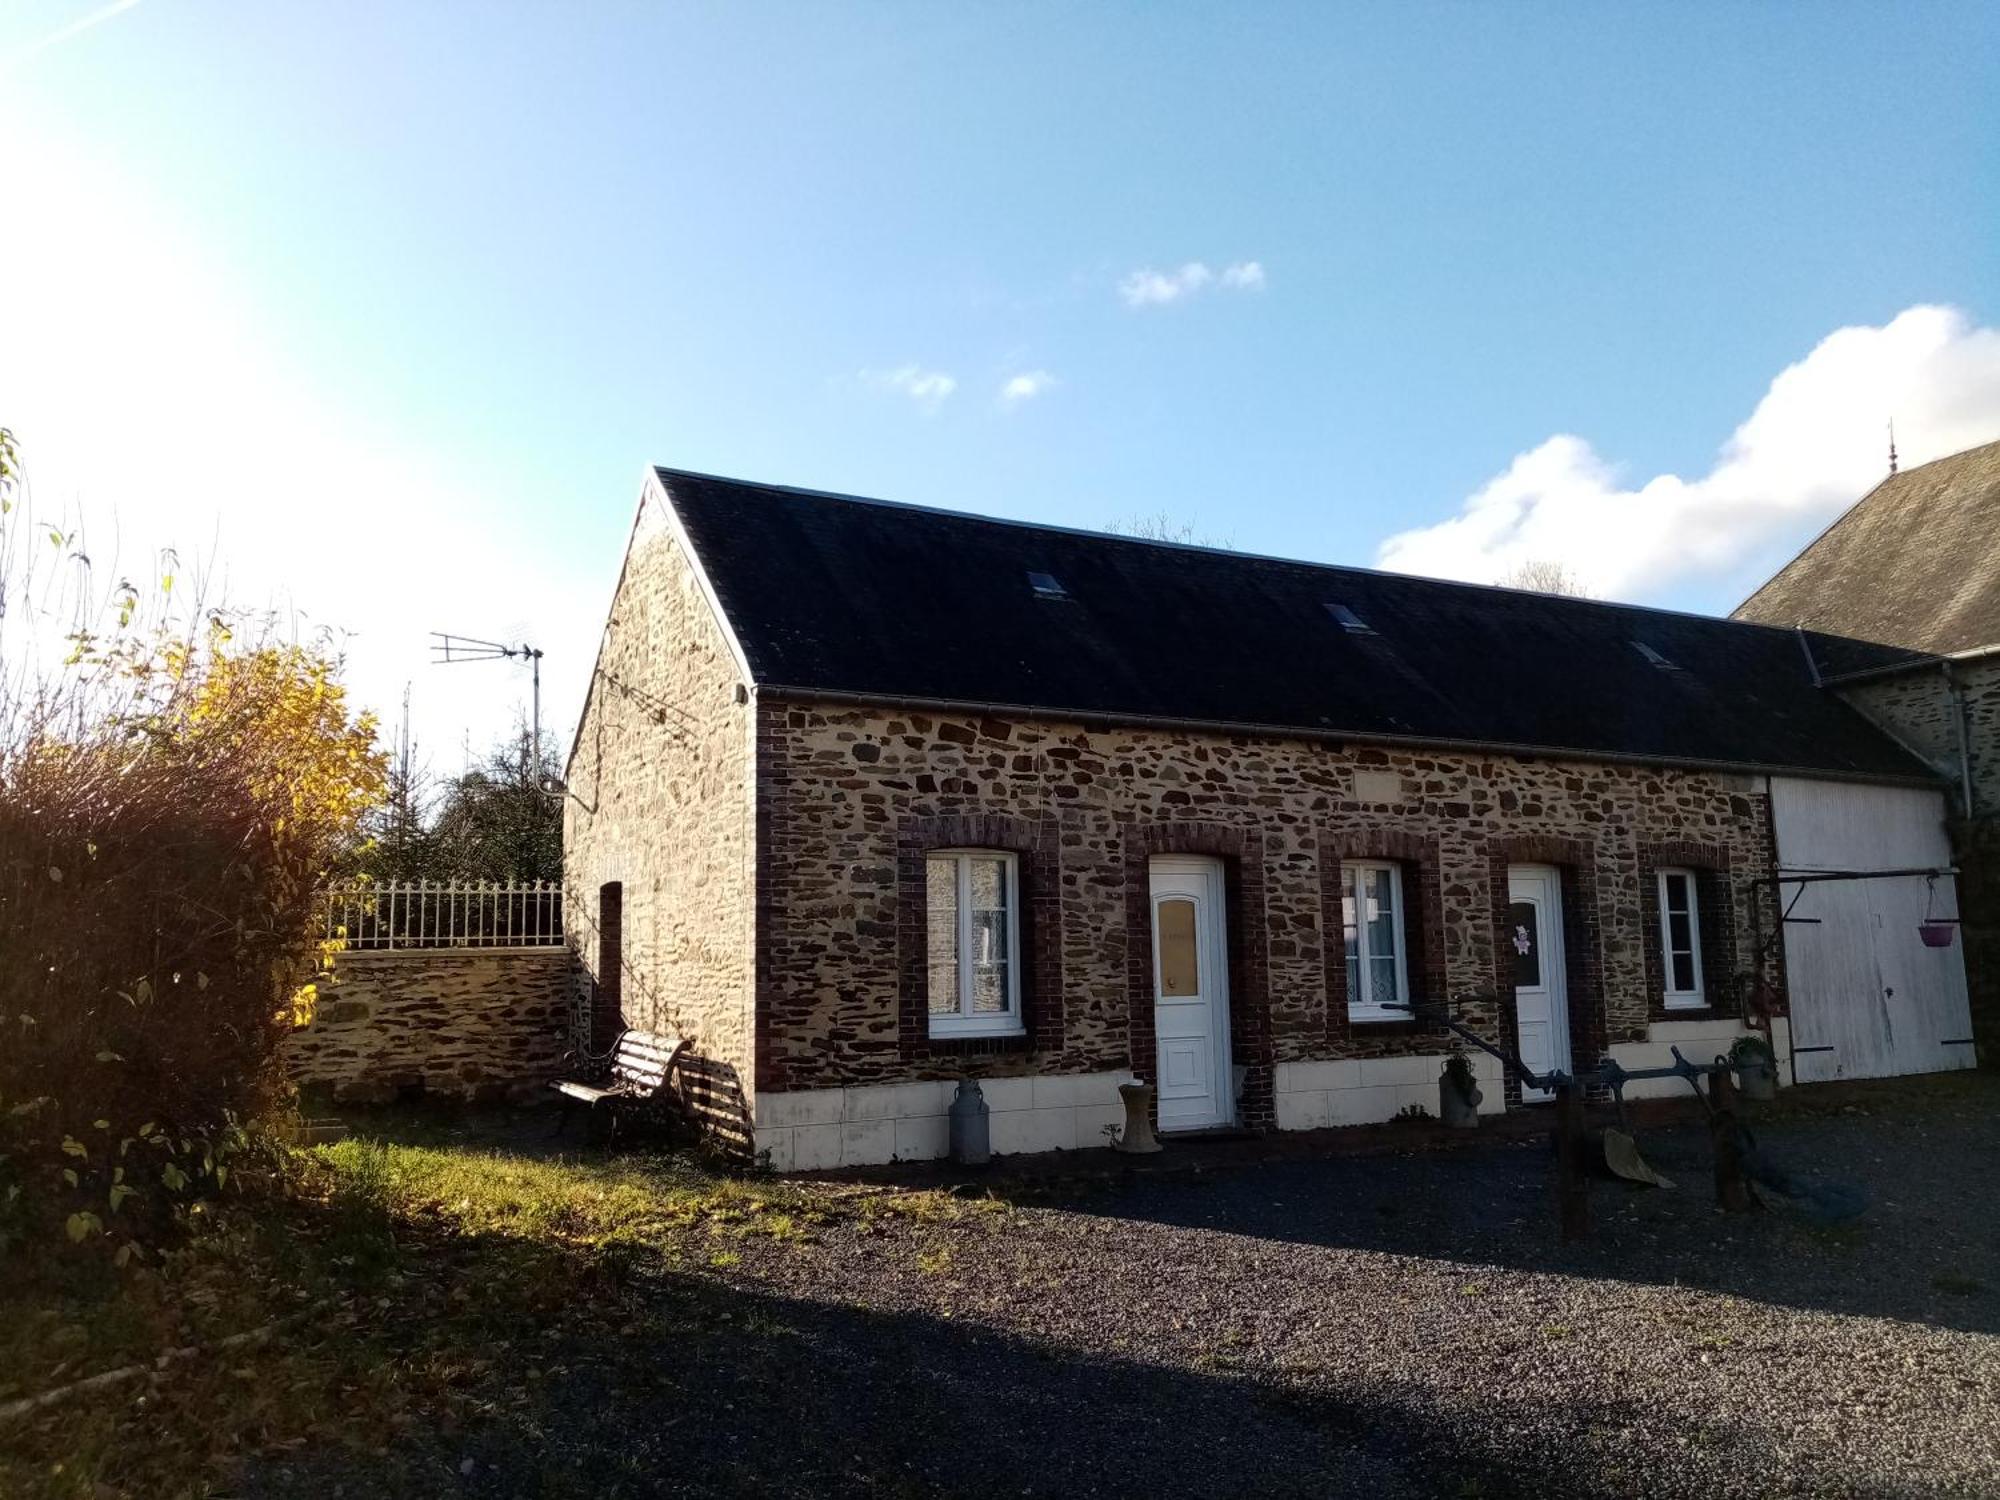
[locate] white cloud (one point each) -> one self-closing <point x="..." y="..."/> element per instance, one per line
<point x="1025" y="387"/>
<point x="1816" y="442"/>
<point x="928" y="388"/>
<point x="1149" y="288"/>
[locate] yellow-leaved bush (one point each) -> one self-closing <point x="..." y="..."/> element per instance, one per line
<point x="169" y="809"/>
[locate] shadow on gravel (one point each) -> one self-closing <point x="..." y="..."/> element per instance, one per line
<point x="1927" y="1250"/>
<point x="724" y="1392"/>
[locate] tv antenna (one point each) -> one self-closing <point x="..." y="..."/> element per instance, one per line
<point x="449" y="650"/>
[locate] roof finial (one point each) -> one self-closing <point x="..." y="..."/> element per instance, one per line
<point x="1892" y="445"/>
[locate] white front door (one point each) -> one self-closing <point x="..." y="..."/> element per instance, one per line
<point x="1534" y="939"/>
<point x="1191" y="994"/>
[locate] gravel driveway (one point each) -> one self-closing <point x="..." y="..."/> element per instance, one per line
<point x="1399" y="1325"/>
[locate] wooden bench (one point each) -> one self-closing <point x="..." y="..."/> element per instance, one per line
<point x="632" y="1075"/>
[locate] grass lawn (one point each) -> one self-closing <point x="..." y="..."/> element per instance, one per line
<point x="408" y="1278"/>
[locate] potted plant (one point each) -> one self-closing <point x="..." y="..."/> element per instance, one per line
<point x="1755" y="1066"/>
<point x="1458" y="1094"/>
<point x="1934" y="929"/>
<point x="1935" y="932"/>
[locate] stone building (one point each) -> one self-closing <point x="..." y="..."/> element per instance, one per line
<point x="869" y="798"/>
<point x="1915" y="563"/>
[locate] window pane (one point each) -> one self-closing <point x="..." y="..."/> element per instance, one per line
<point x="1684" y="972"/>
<point x="1677" y="892"/>
<point x="989" y="989"/>
<point x="941" y="899"/>
<point x="1384" y="939"/>
<point x="1522" y="938"/>
<point x="1179" y="966"/>
<point x="1382" y="971"/>
<point x="1354" y="994"/>
<point x="1680" y="932"/>
<point x="989" y="884"/>
<point x="989" y="937"/>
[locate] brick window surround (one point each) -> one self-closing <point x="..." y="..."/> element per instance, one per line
<point x="1241" y="851"/>
<point x="1583" y="951"/>
<point x="1035" y="845"/>
<point x="1715" y="919"/>
<point x="1423" y="925"/>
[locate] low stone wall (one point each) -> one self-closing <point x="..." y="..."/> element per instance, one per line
<point x="484" y="1025"/>
<point x="804" y="1130"/>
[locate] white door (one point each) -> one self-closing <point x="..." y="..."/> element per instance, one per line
<point x="1191" y="994"/>
<point x="1868" y="998"/>
<point x="1534" y="938"/>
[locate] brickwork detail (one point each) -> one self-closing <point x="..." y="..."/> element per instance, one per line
<point x="1423" y="924"/>
<point x="1040" y="938"/>
<point x="1583" y="941"/>
<point x="1241" y="851"/>
<point x="1715" y="923"/>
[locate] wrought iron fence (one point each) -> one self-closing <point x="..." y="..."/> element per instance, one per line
<point x="445" y="914"/>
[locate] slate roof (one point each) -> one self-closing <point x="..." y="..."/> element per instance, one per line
<point x="1915" y="561"/>
<point x="833" y="595"/>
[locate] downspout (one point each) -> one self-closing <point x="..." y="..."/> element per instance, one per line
<point x="1812" y="665"/>
<point x="1955" y="694"/>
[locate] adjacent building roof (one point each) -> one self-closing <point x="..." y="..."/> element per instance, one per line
<point x="832" y="596"/>
<point x="1915" y="562"/>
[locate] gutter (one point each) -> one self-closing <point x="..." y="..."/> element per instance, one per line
<point x="1954" y="692"/>
<point x="1321" y="734"/>
<point x="1911" y="664"/>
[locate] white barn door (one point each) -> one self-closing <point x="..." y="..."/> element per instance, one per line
<point x="1869" y="999"/>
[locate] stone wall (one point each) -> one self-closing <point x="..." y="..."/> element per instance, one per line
<point x="481" y="1025"/>
<point x="659" y="802"/>
<point x="1915" y="708"/>
<point x="845" y="794"/>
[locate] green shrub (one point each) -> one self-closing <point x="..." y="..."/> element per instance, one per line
<point x="170" y="800"/>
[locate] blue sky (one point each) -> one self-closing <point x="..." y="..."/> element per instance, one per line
<point x="409" y="294"/>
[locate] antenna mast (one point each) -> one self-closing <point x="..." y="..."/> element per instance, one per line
<point x="1892" y="445"/>
<point x="449" y="650"/>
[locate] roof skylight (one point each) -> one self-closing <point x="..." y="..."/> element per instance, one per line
<point x="1348" y="619"/>
<point x="1655" y="658"/>
<point x="1046" y="586"/>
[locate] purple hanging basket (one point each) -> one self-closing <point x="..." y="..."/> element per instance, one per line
<point x="1936" y="934"/>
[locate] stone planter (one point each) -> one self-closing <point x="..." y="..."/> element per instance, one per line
<point x="1137" y="1138"/>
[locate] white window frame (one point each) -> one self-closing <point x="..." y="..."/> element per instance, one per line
<point x="965" y="1021"/>
<point x="1676" y="999"/>
<point x="1364" y="1006"/>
